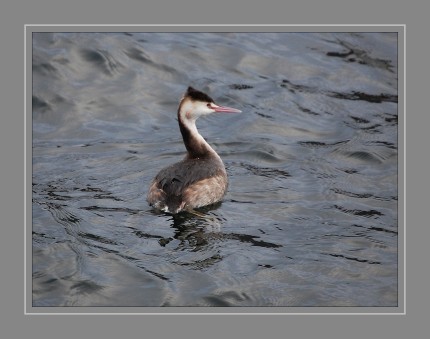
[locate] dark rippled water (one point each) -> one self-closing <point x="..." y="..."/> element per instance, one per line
<point x="310" y="218"/>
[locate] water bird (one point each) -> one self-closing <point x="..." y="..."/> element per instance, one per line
<point x="200" y="179"/>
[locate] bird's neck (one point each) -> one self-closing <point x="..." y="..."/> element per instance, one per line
<point x="196" y="145"/>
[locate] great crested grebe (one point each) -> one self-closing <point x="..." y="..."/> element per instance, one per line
<point x="200" y="178"/>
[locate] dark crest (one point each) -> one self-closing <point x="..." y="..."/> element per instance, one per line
<point x="196" y="95"/>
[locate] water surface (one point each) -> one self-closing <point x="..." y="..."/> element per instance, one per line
<point x="310" y="218"/>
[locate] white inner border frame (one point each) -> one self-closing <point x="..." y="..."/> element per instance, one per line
<point x="401" y="204"/>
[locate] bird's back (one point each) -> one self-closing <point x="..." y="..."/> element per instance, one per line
<point x="188" y="184"/>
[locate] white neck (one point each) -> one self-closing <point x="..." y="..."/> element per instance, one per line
<point x="194" y="142"/>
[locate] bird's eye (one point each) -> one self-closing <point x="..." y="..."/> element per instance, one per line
<point x="209" y="105"/>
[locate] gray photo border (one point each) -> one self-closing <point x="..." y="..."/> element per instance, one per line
<point x="400" y="309"/>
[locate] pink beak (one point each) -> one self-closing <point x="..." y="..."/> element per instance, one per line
<point x="224" y="109"/>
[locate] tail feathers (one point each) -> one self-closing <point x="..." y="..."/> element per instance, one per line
<point x="159" y="200"/>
